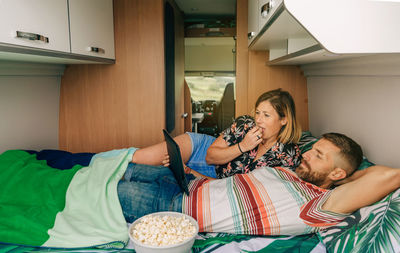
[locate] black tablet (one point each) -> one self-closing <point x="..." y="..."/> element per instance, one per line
<point x="176" y="163"/>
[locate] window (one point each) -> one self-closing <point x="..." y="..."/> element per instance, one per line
<point x="207" y="91"/>
<point x="208" y="88"/>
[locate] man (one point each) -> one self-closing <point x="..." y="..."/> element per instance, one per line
<point x="267" y="200"/>
<point x="362" y="188"/>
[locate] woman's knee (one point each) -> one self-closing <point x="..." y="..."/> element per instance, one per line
<point x="152" y="155"/>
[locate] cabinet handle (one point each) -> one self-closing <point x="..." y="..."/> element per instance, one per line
<point x="185" y="115"/>
<point x="250" y="35"/>
<point x="96" y="50"/>
<point x="266" y="8"/>
<point x="32" y="36"/>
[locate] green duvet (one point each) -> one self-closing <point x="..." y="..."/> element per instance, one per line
<point x="79" y="207"/>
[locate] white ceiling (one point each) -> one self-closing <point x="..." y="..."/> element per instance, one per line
<point x="207" y="7"/>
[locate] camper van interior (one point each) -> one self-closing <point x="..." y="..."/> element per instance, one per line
<point x="79" y="78"/>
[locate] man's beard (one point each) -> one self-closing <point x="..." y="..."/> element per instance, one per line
<point x="304" y="172"/>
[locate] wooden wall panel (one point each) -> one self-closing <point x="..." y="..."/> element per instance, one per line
<point x="242" y="58"/>
<point x="253" y="76"/>
<point x="103" y="107"/>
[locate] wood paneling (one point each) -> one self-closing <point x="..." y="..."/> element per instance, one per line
<point x="242" y="58"/>
<point x="253" y="76"/>
<point x="103" y="107"/>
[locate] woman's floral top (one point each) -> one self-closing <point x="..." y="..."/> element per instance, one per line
<point x="279" y="155"/>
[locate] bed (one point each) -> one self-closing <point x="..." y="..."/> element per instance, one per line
<point x="25" y="223"/>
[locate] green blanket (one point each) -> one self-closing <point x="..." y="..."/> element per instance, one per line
<point x="43" y="206"/>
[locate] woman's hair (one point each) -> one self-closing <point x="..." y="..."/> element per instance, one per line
<point x="283" y="104"/>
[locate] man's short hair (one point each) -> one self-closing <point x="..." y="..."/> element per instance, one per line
<point x="350" y="152"/>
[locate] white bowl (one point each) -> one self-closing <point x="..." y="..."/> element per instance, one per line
<point x="182" y="247"/>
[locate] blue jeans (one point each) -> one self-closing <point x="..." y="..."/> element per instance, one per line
<point x="147" y="189"/>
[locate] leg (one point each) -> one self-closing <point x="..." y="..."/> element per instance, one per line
<point x="147" y="189"/>
<point x="154" y="155"/>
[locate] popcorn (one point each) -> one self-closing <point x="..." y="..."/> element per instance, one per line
<point x="156" y="230"/>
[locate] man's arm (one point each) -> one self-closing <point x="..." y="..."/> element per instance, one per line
<point x="354" y="176"/>
<point x="374" y="184"/>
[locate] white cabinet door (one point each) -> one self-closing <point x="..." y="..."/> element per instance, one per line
<point x="92" y="27"/>
<point x="252" y="21"/>
<point x="38" y="23"/>
<point x="264" y="11"/>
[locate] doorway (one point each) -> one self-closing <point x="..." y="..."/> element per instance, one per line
<point x="210" y="61"/>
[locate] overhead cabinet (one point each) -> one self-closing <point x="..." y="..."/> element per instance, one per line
<point x="257" y="16"/>
<point x="35" y="23"/>
<point x="57" y="31"/>
<point x="92" y="29"/>
<point x="252" y="23"/>
<point x="300" y="32"/>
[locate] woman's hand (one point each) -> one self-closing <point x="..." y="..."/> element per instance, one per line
<point x="165" y="160"/>
<point x="252" y="139"/>
<point x="197" y="174"/>
<point x="187" y="169"/>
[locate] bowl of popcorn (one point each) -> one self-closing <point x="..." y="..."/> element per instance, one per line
<point x="163" y="232"/>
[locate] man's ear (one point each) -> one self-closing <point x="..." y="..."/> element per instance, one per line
<point x="337" y="174"/>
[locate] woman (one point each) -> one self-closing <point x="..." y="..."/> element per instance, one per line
<point x="267" y="140"/>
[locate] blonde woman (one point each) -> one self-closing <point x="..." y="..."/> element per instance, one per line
<point x="267" y="139"/>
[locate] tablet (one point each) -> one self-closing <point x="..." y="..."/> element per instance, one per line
<point x="176" y="163"/>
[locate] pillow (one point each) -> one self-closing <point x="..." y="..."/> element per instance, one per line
<point x="307" y="140"/>
<point x="375" y="228"/>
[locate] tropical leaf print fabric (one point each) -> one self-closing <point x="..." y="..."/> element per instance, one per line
<point x="374" y="228"/>
<point x="306" y="141"/>
<point x="222" y="242"/>
<point x="279" y="155"/>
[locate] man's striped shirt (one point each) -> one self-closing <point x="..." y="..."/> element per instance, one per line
<point x="266" y="201"/>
